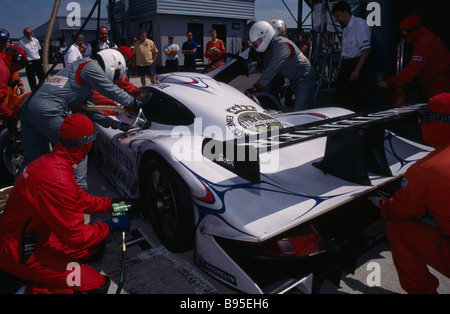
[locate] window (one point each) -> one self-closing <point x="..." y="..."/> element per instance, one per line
<point x="148" y="26"/>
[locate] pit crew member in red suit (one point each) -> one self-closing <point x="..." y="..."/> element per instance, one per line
<point x="15" y="84"/>
<point x="430" y="62"/>
<point x="425" y="191"/>
<point x="45" y="210"/>
<point x="12" y="59"/>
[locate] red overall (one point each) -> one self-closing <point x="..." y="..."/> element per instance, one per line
<point x="124" y="84"/>
<point x="9" y="76"/>
<point x="47" y="197"/>
<point x="430" y="62"/>
<point x="425" y="189"/>
<point x="5" y="112"/>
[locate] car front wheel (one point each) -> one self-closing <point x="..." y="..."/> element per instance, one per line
<point x="170" y="205"/>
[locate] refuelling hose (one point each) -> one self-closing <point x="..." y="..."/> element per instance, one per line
<point x="120" y="209"/>
<point x="122" y="268"/>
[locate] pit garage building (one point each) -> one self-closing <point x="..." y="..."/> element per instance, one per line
<point x="161" y="18"/>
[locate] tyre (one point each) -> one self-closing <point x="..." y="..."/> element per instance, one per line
<point x="11" y="153"/>
<point x="288" y="96"/>
<point x="268" y="101"/>
<point x="170" y="208"/>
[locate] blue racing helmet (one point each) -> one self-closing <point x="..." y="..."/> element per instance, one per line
<point x="4" y="34"/>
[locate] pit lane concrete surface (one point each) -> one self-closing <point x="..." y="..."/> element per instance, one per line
<point x="151" y="269"/>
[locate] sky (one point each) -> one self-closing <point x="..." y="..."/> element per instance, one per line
<point x="16" y="15"/>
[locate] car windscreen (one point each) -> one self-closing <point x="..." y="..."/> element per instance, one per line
<point x="161" y="108"/>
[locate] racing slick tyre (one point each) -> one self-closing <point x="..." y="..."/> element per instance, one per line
<point x="268" y="101"/>
<point x="288" y="96"/>
<point x="4" y="195"/>
<point x="11" y="153"/>
<point x="170" y="205"/>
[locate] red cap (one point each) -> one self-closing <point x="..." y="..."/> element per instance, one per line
<point x="410" y="22"/>
<point x="437" y="133"/>
<point x="126" y="52"/>
<point x="411" y="25"/>
<point x="440" y="103"/>
<point x="77" y="134"/>
<point x="76" y="127"/>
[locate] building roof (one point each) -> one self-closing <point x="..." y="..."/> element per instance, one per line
<point x="233" y="9"/>
<point x="62" y="25"/>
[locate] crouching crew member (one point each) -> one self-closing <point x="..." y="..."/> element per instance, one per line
<point x="425" y="191"/>
<point x="43" y="235"/>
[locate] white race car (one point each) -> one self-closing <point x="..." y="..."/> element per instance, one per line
<point x="269" y="201"/>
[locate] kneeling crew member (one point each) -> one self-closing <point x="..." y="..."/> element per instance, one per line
<point x="42" y="228"/>
<point x="414" y="243"/>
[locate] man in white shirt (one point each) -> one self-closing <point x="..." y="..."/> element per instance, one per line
<point x="63" y="47"/>
<point x="74" y="54"/>
<point x="34" y="68"/>
<point x="171" y="51"/>
<point x="356" y="46"/>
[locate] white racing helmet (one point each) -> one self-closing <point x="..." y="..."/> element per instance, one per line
<point x="112" y="62"/>
<point x="260" y="35"/>
<point x="279" y="26"/>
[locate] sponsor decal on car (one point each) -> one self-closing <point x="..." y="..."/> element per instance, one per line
<point x="244" y="120"/>
<point x="118" y="162"/>
<point x="220" y="273"/>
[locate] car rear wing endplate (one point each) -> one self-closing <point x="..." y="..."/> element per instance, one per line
<point x="355" y="145"/>
<point x="234" y="66"/>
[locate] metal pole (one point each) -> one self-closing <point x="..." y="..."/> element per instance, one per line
<point x="300" y="16"/>
<point x="126" y="23"/>
<point x="48" y="35"/>
<point x="321" y="35"/>
<point x="98" y="15"/>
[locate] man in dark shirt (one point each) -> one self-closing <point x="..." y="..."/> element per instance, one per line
<point x="189" y="50"/>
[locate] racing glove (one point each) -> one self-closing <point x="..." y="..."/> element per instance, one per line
<point x="255" y="88"/>
<point x="117" y="125"/>
<point x="133" y="205"/>
<point x="376" y="199"/>
<point x="136" y="105"/>
<point x="120" y="223"/>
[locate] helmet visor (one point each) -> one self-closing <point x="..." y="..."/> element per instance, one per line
<point x="257" y="42"/>
<point x="20" y="60"/>
<point x="423" y="114"/>
<point x="405" y="32"/>
<point x="17" y="58"/>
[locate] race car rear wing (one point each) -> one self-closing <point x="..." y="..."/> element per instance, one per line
<point x="355" y="145"/>
<point x="234" y="66"/>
